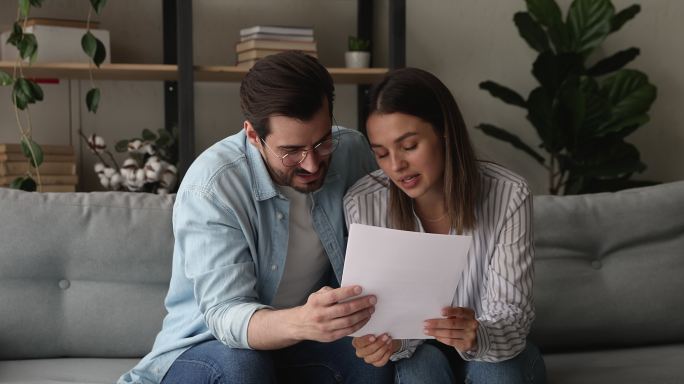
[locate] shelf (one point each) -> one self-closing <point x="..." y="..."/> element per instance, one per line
<point x="164" y="72"/>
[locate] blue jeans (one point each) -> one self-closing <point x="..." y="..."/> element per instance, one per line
<point x="305" y="362"/>
<point x="433" y="364"/>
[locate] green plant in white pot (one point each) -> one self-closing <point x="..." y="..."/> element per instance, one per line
<point x="581" y="110"/>
<point x="358" y="54"/>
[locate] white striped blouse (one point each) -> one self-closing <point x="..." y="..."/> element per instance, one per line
<point x="497" y="280"/>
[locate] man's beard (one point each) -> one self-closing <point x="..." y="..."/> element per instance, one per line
<point x="286" y="179"/>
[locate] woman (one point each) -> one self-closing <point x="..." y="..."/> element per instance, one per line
<point x="429" y="180"/>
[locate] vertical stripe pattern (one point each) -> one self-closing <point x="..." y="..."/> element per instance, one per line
<point x="497" y="281"/>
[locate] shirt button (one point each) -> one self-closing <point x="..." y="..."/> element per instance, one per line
<point x="64" y="284"/>
<point x="279" y="216"/>
<point x="274" y="267"/>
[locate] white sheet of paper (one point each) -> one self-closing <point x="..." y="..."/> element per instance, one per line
<point x="414" y="275"/>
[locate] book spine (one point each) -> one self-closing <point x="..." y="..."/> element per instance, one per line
<point x="12" y="156"/>
<point x="47" y="149"/>
<point x="19" y="168"/>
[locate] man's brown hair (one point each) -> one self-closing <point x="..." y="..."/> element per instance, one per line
<point x="290" y="84"/>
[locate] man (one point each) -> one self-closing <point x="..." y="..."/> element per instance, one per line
<point x="259" y="241"/>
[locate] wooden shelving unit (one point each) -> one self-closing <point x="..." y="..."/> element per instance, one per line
<point x="169" y="72"/>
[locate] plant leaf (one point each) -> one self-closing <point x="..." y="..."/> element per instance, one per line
<point x="614" y="62"/>
<point x="27" y="147"/>
<point x="568" y="114"/>
<point x="28" y="46"/>
<point x="506" y="94"/>
<point x="531" y="32"/>
<point x="624" y="16"/>
<point x="37" y="3"/>
<point x="36" y="90"/>
<point x="16" y="35"/>
<point x="98" y="5"/>
<point x="597" y="109"/>
<point x="148" y="135"/>
<point x="629" y="92"/>
<point x="121" y="146"/>
<point x="24" y="8"/>
<point x="6" y="79"/>
<point x="100" y="52"/>
<point x="25" y="183"/>
<point x="93" y="99"/>
<point x="540" y="114"/>
<point x="89" y="44"/>
<point x="589" y="23"/>
<point x="164" y="138"/>
<point x="620" y="159"/>
<point x="548" y="14"/>
<point x="552" y="70"/>
<point x="503" y="135"/>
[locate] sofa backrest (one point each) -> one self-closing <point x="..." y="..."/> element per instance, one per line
<point x="610" y="268"/>
<point x="82" y="274"/>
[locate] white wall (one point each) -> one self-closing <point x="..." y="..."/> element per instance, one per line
<point x="463" y="42"/>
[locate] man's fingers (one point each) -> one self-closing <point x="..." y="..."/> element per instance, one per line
<point x="333" y="296"/>
<point x="384" y="359"/>
<point x="350" y="320"/>
<point x="349" y="307"/>
<point x="460" y="312"/>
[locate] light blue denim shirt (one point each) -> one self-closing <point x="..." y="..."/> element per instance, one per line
<point x="231" y="231"/>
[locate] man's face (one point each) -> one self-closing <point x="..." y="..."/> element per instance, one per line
<point x="291" y="136"/>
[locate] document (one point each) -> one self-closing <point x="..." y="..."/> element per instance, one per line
<point x="414" y="275"/>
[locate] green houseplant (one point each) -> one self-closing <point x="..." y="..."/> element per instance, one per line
<point x="581" y="111"/>
<point x="358" y="53"/>
<point x="26" y="91"/>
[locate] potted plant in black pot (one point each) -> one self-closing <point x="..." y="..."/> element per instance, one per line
<point x="581" y="110"/>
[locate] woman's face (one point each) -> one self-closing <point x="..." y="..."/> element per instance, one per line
<point x="409" y="151"/>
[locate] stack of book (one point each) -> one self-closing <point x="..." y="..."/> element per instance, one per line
<point x="57" y="172"/>
<point x="262" y="40"/>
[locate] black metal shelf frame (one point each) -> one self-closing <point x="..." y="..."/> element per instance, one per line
<point x="179" y="100"/>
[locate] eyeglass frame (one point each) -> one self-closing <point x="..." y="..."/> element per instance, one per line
<point x="304" y="152"/>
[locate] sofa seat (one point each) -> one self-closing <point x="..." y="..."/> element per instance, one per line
<point x="647" y="365"/>
<point x="71" y="370"/>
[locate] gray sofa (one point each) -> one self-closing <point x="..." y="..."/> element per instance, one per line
<point x="83" y="278"/>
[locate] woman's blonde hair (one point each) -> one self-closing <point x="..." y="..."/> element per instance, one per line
<point x="418" y="93"/>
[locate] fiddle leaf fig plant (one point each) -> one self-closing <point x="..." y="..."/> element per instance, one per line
<point x="26" y="91"/>
<point x="581" y="110"/>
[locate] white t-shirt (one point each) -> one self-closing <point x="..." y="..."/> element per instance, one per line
<point x="307" y="262"/>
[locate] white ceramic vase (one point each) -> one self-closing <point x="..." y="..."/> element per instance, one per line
<point x="357" y="59"/>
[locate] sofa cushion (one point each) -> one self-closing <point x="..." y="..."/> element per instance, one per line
<point x="609" y="268"/>
<point x="648" y="365"/>
<point x="81" y="371"/>
<point x="83" y="274"/>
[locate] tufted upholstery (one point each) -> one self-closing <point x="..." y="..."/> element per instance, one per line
<point x="85" y="274"/>
<point x="82" y="274"/>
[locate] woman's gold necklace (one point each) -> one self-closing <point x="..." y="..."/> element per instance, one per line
<point x="437" y="219"/>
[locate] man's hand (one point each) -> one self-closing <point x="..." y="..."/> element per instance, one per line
<point x="375" y="350"/>
<point x="458" y="329"/>
<point x="324" y="318"/>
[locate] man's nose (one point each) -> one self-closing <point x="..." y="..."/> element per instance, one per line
<point x="310" y="162"/>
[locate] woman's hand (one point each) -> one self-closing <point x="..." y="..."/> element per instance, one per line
<point x="458" y="328"/>
<point x="375" y="350"/>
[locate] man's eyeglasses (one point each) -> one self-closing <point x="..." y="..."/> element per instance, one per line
<point x="294" y="158"/>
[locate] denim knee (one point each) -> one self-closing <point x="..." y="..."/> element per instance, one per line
<point x="427" y="365"/>
<point x="213" y="362"/>
<point x="526" y="368"/>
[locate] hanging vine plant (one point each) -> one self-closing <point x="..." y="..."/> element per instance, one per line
<point x="26" y="91"/>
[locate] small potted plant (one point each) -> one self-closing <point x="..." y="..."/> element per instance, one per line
<point x="358" y="55"/>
